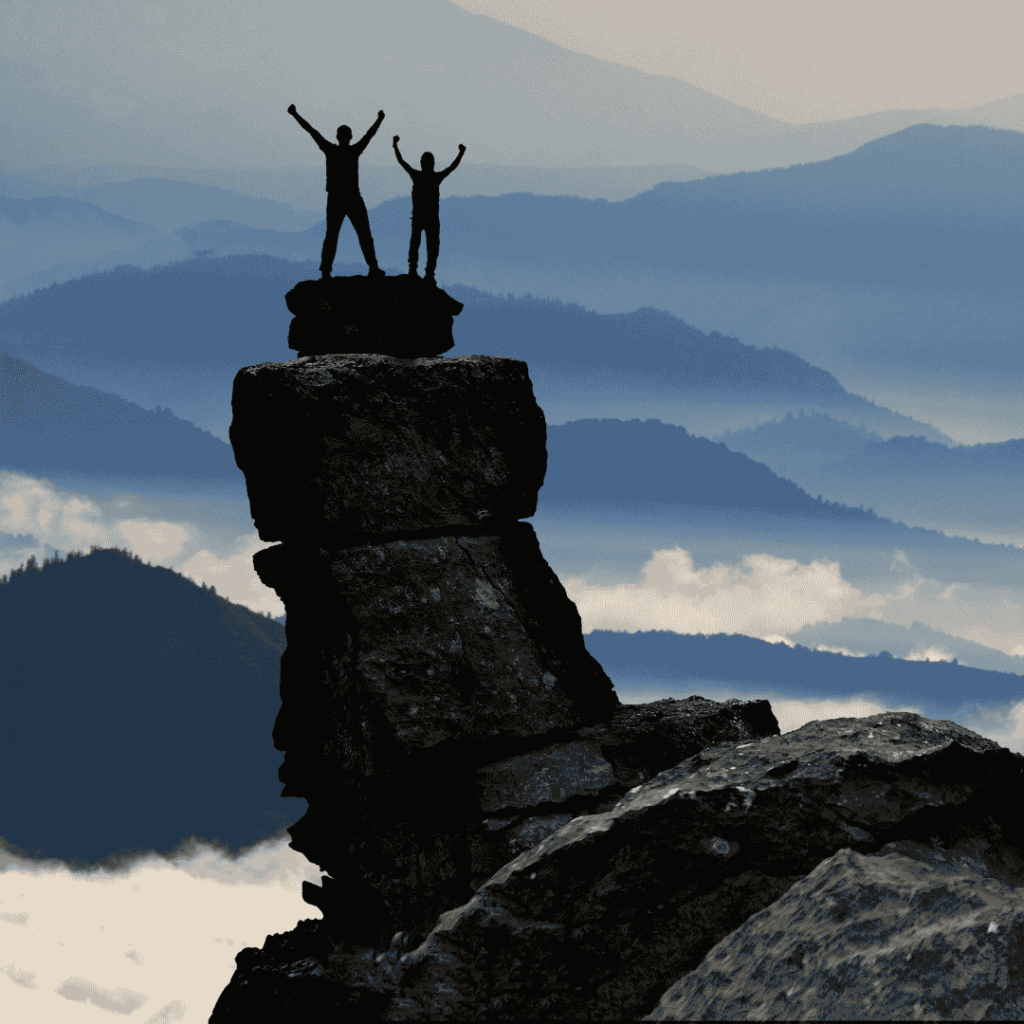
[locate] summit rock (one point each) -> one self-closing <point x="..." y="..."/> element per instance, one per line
<point x="402" y="315"/>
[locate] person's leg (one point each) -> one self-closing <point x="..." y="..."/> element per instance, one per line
<point x="433" y="231"/>
<point x="414" y="246"/>
<point x="361" y="222"/>
<point x="335" y="215"/>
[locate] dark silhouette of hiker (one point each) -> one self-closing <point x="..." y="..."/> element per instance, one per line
<point x="343" y="198"/>
<point x="426" y="203"/>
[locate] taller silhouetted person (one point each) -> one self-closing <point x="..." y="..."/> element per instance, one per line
<point x="343" y="198"/>
<point x="426" y="204"/>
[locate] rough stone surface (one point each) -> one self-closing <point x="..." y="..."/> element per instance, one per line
<point x="372" y="444"/>
<point x="314" y="972"/>
<point x="409" y="663"/>
<point x="608" y="912"/>
<point x="529" y="796"/>
<point x="909" y="933"/>
<point x="397" y="316"/>
<point x="429" y="639"/>
<point x="301" y="976"/>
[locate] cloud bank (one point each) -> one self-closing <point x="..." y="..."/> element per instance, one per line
<point x="769" y="597"/>
<point x="42" y="519"/>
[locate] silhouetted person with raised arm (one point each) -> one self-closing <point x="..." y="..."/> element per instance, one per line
<point x="426" y="207"/>
<point x="343" y="198"/>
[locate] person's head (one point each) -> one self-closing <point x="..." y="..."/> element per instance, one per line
<point x="427" y="161"/>
<point x="344" y="134"/>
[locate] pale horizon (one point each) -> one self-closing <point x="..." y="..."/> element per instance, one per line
<point x="799" y="61"/>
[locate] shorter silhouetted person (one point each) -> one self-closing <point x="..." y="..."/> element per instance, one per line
<point x="343" y="198"/>
<point x="426" y="204"/>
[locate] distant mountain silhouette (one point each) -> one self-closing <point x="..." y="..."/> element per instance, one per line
<point x="45" y="422"/>
<point x="244" y="320"/>
<point x="510" y="95"/>
<point x="911" y="478"/>
<point x="884" y="214"/>
<point x="282" y="199"/>
<point x="998" y="455"/>
<point x="798" y="672"/>
<point x="678" y="356"/>
<point x="160" y="693"/>
<point x="870" y="636"/>
<point x="799" y="442"/>
<point x="223" y="310"/>
<point x="928" y="206"/>
<point x="608" y="460"/>
<point x="882" y="259"/>
<point x="43" y="240"/>
<point x="167" y="204"/>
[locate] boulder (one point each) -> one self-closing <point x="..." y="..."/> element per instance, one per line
<point x="322" y="966"/>
<point x="908" y="933"/>
<point x="528" y="796"/>
<point x="371" y="444"/>
<point x="610" y="911"/>
<point x="402" y="316"/>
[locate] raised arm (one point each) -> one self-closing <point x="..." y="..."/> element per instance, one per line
<point x="394" y="143"/>
<point x="455" y="163"/>
<point x="317" y="137"/>
<point x="365" y="140"/>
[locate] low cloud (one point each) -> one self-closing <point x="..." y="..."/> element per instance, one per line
<point x="929" y="654"/>
<point x="43" y="519"/>
<point x="761" y="596"/>
<point x="156" y="941"/>
<point x="769" y="597"/>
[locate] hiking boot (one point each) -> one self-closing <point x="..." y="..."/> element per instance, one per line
<point x="376" y="272"/>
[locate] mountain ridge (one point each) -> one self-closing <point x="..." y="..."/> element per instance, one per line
<point x="154" y="672"/>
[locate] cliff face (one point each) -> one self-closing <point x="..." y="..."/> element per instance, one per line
<point x="427" y="636"/>
<point x="439" y="710"/>
<point x="503" y="839"/>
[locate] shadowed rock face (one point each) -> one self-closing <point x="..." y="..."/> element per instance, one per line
<point x="372" y="445"/>
<point x="503" y="839"/>
<point x="512" y="803"/>
<point x="431" y="640"/>
<point x="607" y="914"/>
<point x="909" y="933"/>
<point x="397" y="316"/>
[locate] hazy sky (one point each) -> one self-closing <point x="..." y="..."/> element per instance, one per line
<point x="181" y="83"/>
<point x="797" y="60"/>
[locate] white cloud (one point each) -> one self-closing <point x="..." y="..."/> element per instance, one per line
<point x="839" y="650"/>
<point x="763" y="595"/>
<point x="160" y="937"/>
<point x="234" y="577"/>
<point x="929" y="654"/>
<point x="67" y="521"/>
<point x="769" y="597"/>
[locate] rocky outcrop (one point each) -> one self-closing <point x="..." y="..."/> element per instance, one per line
<point x="617" y="910"/>
<point x="909" y="933"/>
<point x="520" y="800"/>
<point x="373" y="445"/>
<point x="502" y="838"/>
<point x="402" y="316"/>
